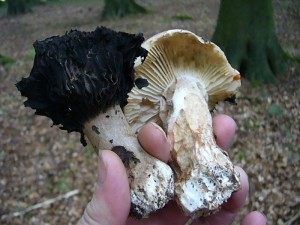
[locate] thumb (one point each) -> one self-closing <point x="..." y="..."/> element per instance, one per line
<point x="110" y="204"/>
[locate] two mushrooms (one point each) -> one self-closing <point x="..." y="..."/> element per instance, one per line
<point x="106" y="85"/>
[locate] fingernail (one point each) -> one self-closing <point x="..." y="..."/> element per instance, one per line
<point x="102" y="170"/>
<point x="165" y="145"/>
<point x="159" y="128"/>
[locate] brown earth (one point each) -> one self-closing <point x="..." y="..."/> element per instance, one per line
<point x="38" y="162"/>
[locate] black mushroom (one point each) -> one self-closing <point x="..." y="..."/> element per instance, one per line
<point x="80" y="80"/>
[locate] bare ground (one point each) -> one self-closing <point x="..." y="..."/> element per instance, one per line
<point x="38" y="162"/>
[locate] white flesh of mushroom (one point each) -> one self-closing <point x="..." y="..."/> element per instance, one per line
<point x="151" y="181"/>
<point x="205" y="177"/>
<point x="182" y="90"/>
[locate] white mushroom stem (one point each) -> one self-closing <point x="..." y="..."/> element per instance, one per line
<point x="151" y="181"/>
<point x="204" y="176"/>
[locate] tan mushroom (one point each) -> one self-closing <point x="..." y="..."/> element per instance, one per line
<point x="187" y="76"/>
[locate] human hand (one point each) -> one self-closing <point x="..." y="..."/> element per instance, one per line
<point x="110" y="204"/>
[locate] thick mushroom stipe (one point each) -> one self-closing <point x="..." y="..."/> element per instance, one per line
<point x="187" y="76"/>
<point x="80" y="80"/>
<point x="151" y="181"/>
<point x="204" y="175"/>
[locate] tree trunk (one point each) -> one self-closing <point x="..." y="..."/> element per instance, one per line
<point x="16" y="7"/>
<point x="246" y="33"/>
<point x="120" y="8"/>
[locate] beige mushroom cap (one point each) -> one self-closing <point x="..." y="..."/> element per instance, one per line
<point x="174" y="54"/>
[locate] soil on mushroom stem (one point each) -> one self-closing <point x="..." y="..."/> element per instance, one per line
<point x="39" y="162"/>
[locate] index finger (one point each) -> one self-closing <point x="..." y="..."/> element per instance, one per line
<point x="224" y="128"/>
<point x="153" y="139"/>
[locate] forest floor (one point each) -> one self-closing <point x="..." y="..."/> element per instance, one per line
<point x="39" y="162"/>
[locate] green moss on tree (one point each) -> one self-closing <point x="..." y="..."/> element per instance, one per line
<point x="5" y="60"/>
<point x="246" y="33"/>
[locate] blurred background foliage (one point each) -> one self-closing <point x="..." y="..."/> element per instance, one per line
<point x="257" y="55"/>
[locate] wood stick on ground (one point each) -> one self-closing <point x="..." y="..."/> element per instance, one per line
<point x="293" y="219"/>
<point x="42" y="204"/>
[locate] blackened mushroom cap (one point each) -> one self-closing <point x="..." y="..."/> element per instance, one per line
<point x="80" y="74"/>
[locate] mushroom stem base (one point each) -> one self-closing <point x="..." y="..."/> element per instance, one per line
<point x="151" y="181"/>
